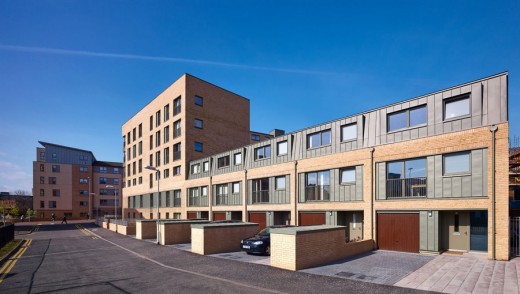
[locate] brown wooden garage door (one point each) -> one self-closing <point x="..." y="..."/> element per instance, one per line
<point x="259" y="218"/>
<point x="398" y="231"/>
<point x="192" y="215"/>
<point x="312" y="218"/>
<point x="219" y="216"/>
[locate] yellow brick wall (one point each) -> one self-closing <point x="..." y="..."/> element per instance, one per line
<point x="211" y="240"/>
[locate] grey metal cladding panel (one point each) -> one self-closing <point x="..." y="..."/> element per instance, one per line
<point x="249" y="191"/>
<point x="485" y="107"/>
<point x="439" y="191"/>
<point x="438" y="113"/>
<point x="398" y="137"/>
<point x="334" y="185"/>
<point x="423" y="230"/>
<point x="423" y="132"/>
<point x="476" y="104"/>
<point x="485" y="172"/>
<point x="405" y="135"/>
<point x="494" y="103"/>
<point x="372" y="119"/>
<point x="359" y="183"/>
<point x="447" y="127"/>
<point x="446" y="187"/>
<point x="456" y="186"/>
<point x="287" y="195"/>
<point x="381" y="180"/>
<point x="456" y="125"/>
<point x="466" y="123"/>
<point x="466" y="186"/>
<point x="430" y="176"/>
<point x="301" y="191"/>
<point x="503" y="99"/>
<point x="476" y="173"/>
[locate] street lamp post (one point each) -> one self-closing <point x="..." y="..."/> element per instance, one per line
<point x="89" y="199"/>
<point x="158" y="196"/>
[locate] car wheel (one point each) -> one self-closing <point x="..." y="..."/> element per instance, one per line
<point x="268" y="250"/>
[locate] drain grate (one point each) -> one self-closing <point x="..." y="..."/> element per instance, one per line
<point x="355" y="276"/>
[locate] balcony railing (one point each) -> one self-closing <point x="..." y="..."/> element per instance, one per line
<point x="221" y="199"/>
<point x="176" y="202"/>
<point x="406" y="188"/>
<point x="176" y="155"/>
<point x="260" y="196"/>
<point x="317" y="193"/>
<point x="198" y="201"/>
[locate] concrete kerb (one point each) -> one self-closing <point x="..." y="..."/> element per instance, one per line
<point x="10" y="253"/>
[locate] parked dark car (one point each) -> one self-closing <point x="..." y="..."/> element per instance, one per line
<point x="261" y="242"/>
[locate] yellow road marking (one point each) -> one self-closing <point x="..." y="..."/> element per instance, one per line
<point x="8" y="266"/>
<point x="83" y="230"/>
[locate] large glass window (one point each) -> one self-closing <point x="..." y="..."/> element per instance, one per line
<point x="237" y="158"/>
<point x="280" y="183"/>
<point x="260" y="190"/>
<point x="177" y="128"/>
<point x="407" y="118"/>
<point x="263" y="152"/>
<point x="406" y="178"/>
<point x="195" y="169"/>
<point x="223" y="161"/>
<point x="348" y="176"/>
<point x="205" y="166"/>
<point x="456" y="107"/>
<point x="457" y="163"/>
<point x="317" y="186"/>
<point x="235" y="188"/>
<point x="319" y="139"/>
<point x="177" y="105"/>
<point x="282" y="148"/>
<point x="348" y="132"/>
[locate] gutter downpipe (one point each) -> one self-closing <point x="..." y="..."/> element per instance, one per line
<point x="372" y="191"/>
<point x="493" y="130"/>
<point x="296" y="192"/>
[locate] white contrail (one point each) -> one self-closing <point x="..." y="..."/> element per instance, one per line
<point x="156" y="58"/>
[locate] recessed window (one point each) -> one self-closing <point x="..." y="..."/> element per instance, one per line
<point x="317" y="186"/>
<point x="83" y="181"/>
<point x="158" y="118"/>
<point x="348" y="176"/>
<point x="55" y="168"/>
<point x="176" y="170"/>
<point x="140" y="130"/>
<point x="255" y="137"/>
<point x="198" y="146"/>
<point x="319" y="139"/>
<point x="198" y="123"/>
<point x="157" y="138"/>
<point x="177" y="151"/>
<point x="237" y="158"/>
<point x="205" y="166"/>
<point x="195" y="169"/>
<point x="280" y="183"/>
<point x="166" y="134"/>
<point x="456" y="107"/>
<point x="103" y="180"/>
<point x="235" y="188"/>
<point x="177" y="105"/>
<point x="223" y="161"/>
<point x="103" y="169"/>
<point x="407" y="118"/>
<point x="166" y="155"/>
<point x="199" y="101"/>
<point x="457" y="163"/>
<point x="281" y="148"/>
<point x="263" y="152"/>
<point x="166" y="173"/>
<point x="166" y="112"/>
<point x="56" y="192"/>
<point x="348" y="132"/>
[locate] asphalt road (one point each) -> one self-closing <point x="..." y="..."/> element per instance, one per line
<point x="69" y="259"/>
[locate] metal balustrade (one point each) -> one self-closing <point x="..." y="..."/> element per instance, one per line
<point x="406" y="188"/>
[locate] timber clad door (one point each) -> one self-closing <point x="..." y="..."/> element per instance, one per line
<point x="398" y="231"/>
<point x="219" y="216"/>
<point x="312" y="218"/>
<point x="192" y="215"/>
<point x="259" y="218"/>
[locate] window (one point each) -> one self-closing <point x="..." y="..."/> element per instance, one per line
<point x="83" y="169"/>
<point x="83" y="181"/>
<point x="166" y="173"/>
<point x="167" y="204"/>
<point x="319" y="139"/>
<point x="281" y="148"/>
<point x="133" y="168"/>
<point x="177" y="105"/>
<point x="52" y="180"/>
<point x="140" y="130"/>
<point x="42" y="192"/>
<point x="205" y="166"/>
<point x="151" y="142"/>
<point x="280" y="183"/>
<point x="406" y="178"/>
<point x="199" y="101"/>
<point x="42" y="167"/>
<point x="52" y="204"/>
<point x="166" y="134"/>
<point x="151" y="122"/>
<point x="133" y="182"/>
<point x="176" y="198"/>
<point x="103" y="169"/>
<point x="177" y="129"/>
<point x="133" y="134"/>
<point x="157" y="138"/>
<point x="177" y="151"/>
<point x="158" y="118"/>
<point x="103" y="180"/>
<point x="166" y="155"/>
<point x="457" y="163"/>
<point x="195" y="169"/>
<point x="348" y="132"/>
<point x="456" y="222"/>
<point x="83" y="157"/>
<point x="116" y="181"/>
<point x="56" y="192"/>
<point x="158" y="158"/>
<point x="140" y="148"/>
<point x="42" y="180"/>
<point x="223" y="161"/>
<point x="235" y="188"/>
<point x="456" y="107"/>
<point x="407" y="118"/>
<point x="198" y="147"/>
<point x="176" y="170"/>
<point x="140" y="180"/>
<point x="42" y="204"/>
<point x="255" y="137"/>
<point x="166" y="112"/>
<point x="55" y="168"/>
<point x="348" y="176"/>
<point x="128" y="154"/>
<point x="198" y="123"/>
<point x="237" y="157"/>
<point x="83" y="192"/>
<point x="55" y="156"/>
<point x="42" y="155"/>
<point x="83" y="203"/>
<point x="260" y="190"/>
<point x="317" y="186"/>
<point x="127" y="138"/>
<point x="263" y="152"/>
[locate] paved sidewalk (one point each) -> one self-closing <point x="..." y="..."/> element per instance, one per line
<point x="468" y="273"/>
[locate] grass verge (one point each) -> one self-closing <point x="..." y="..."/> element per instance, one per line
<point x="8" y="247"/>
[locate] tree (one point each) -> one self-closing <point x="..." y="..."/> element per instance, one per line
<point x="14" y="210"/>
<point x="3" y="208"/>
<point x="30" y="213"/>
<point x="21" y="192"/>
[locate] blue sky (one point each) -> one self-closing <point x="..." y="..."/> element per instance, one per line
<point x="72" y="72"/>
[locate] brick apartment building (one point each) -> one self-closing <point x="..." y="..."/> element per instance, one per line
<point x="415" y="176"/>
<point x="71" y="182"/>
